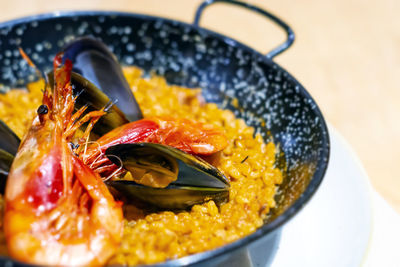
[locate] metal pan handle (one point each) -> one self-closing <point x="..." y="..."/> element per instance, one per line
<point x="276" y="51"/>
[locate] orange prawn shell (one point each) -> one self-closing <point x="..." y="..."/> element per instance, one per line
<point x="190" y="136"/>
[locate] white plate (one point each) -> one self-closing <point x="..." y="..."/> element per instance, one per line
<point x="334" y="228"/>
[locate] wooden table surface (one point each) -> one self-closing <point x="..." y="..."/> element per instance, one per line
<point x="346" y="53"/>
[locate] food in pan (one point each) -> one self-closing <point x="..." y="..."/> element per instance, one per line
<point x="186" y="178"/>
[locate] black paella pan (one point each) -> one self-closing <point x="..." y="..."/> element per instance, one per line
<point x="269" y="98"/>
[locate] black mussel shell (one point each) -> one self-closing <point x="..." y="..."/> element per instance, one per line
<point x="6" y="160"/>
<point x="93" y="60"/>
<point x="9" y="141"/>
<point x="172" y="197"/>
<point x="89" y="95"/>
<point x="197" y="181"/>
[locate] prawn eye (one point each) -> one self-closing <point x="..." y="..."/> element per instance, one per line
<point x="42" y="110"/>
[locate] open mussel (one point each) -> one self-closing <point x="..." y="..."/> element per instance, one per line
<point x="95" y="62"/>
<point x="9" y="143"/>
<point x="98" y="79"/>
<point x="91" y="96"/>
<point x="188" y="180"/>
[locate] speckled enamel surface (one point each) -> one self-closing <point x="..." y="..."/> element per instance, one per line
<point x="268" y="97"/>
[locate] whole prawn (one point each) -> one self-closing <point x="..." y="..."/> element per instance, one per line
<point x="58" y="211"/>
<point x="189" y="136"/>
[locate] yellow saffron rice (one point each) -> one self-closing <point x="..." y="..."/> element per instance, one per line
<point x="155" y="237"/>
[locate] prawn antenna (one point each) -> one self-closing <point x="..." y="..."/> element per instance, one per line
<point x="116" y="171"/>
<point x="110" y="104"/>
<point x="78" y="94"/>
<point x="85" y="145"/>
<point x="39" y="73"/>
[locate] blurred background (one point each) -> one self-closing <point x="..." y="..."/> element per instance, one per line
<point x="346" y="54"/>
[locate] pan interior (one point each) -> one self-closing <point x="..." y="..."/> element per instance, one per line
<point x="231" y="75"/>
